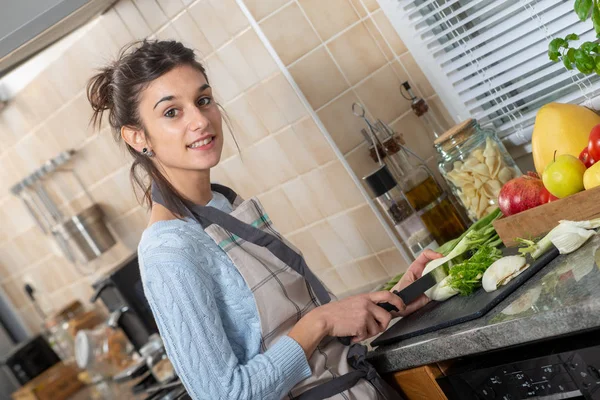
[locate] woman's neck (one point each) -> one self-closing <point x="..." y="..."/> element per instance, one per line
<point x="193" y="185"/>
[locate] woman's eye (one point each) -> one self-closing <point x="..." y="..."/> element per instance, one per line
<point x="171" y="113"/>
<point x="204" y="101"/>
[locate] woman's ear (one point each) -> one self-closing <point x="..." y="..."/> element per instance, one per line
<point x="134" y="138"/>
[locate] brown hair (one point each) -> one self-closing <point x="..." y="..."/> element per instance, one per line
<point x="116" y="89"/>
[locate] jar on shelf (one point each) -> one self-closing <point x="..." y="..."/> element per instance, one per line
<point x="156" y="358"/>
<point x="476" y="165"/>
<point x="103" y="351"/>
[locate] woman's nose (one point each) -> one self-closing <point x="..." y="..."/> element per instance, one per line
<point x="198" y="121"/>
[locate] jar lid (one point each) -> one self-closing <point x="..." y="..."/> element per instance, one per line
<point x="380" y="181"/>
<point x="84" y="349"/>
<point x="454" y="131"/>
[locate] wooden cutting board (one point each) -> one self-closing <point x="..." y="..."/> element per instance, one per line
<point x="540" y="220"/>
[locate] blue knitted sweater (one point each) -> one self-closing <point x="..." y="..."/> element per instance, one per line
<point x="208" y="319"/>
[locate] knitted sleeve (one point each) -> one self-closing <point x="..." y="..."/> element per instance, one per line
<point x="185" y="308"/>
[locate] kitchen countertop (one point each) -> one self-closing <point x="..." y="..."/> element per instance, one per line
<point x="562" y="298"/>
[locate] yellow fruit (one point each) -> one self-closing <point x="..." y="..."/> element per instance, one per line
<point x="564" y="176"/>
<point x="591" y="178"/>
<point x="564" y="128"/>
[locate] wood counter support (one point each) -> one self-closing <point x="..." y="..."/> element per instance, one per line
<point x="418" y="383"/>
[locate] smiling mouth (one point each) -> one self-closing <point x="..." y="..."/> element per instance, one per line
<point x="200" y="143"/>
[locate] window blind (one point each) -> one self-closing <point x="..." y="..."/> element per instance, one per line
<point x="487" y="59"/>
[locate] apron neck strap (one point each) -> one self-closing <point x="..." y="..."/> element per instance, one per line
<point x="207" y="216"/>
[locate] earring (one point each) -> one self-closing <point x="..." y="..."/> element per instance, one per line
<point x="147" y="153"/>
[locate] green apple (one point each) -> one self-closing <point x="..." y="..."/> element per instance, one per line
<point x="564" y="176"/>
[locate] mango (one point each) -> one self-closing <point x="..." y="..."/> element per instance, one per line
<point x="591" y="178"/>
<point x="563" y="128"/>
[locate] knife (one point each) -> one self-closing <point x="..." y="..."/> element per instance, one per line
<point x="418" y="287"/>
<point x="412" y="291"/>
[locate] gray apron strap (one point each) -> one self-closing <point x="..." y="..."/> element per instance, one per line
<point x="364" y="370"/>
<point x="207" y="216"/>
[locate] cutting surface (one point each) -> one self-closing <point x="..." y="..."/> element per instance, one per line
<point x="458" y="309"/>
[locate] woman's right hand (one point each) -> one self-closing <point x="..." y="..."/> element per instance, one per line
<point x="358" y="316"/>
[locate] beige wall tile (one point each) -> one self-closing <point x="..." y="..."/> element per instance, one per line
<point x="133" y="20"/>
<point x="237" y="65"/>
<point x="418" y="78"/>
<point x="207" y="19"/>
<point x="267" y="161"/>
<point x="371" y="229"/>
<point x="56" y="73"/>
<point x="41" y="101"/>
<point x="218" y="175"/>
<point x="329" y="17"/>
<point x="440" y="112"/>
<point x="115" y="27"/>
<point x="290" y="33"/>
<point x="352" y="275"/>
<point x="416" y="135"/>
<point x="324" y="197"/>
<point x="245" y="184"/>
<point x="230" y="148"/>
<point x="17" y="118"/>
<point x="359" y="8"/>
<point x="303" y="200"/>
<point x="300" y="156"/>
<point x="342" y="185"/>
<point x="313" y="139"/>
<point x="281" y="211"/>
<point x="314" y="256"/>
<point x="168" y="32"/>
<point x="371" y="5"/>
<point x="393" y="262"/>
<point x="330" y="242"/>
<point x="332" y="280"/>
<point x="372" y="269"/>
<point x="266" y="108"/>
<point x="33" y="245"/>
<point x="381" y="94"/>
<point x="129" y="228"/>
<point x="318" y="77"/>
<point x="341" y="124"/>
<point x="261" y="8"/>
<point x="115" y="194"/>
<point x="388" y="31"/>
<point x="357" y="53"/>
<point x="12" y="260"/>
<point x="225" y="87"/>
<point x="8" y="174"/>
<point x="286" y="99"/>
<point x="152" y="13"/>
<point x="230" y="15"/>
<point x="32" y="151"/>
<point x="14" y="290"/>
<point x="345" y="227"/>
<point x="191" y="35"/>
<point x="381" y="43"/>
<point x="248" y="128"/>
<point x="171" y="7"/>
<point x="18" y="216"/>
<point x="256" y="54"/>
<point x="69" y="127"/>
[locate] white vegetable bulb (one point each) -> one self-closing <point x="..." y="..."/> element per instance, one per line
<point x="442" y="291"/>
<point x="502" y="271"/>
<point x="569" y="236"/>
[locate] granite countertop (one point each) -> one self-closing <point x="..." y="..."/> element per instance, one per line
<point x="562" y="298"/>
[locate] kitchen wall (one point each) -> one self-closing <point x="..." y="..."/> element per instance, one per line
<point x="337" y="51"/>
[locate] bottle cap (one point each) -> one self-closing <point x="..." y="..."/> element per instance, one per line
<point x="380" y="181"/>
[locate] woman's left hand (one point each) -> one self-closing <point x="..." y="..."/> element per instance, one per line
<point x="413" y="273"/>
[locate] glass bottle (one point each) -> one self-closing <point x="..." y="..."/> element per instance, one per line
<point x="475" y="164"/>
<point x="431" y="203"/>
<point x="421" y="110"/>
<point x="389" y="195"/>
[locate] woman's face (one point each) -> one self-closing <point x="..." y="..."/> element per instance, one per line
<point x="183" y="123"/>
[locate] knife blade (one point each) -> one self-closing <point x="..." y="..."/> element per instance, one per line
<point x="418" y="287"/>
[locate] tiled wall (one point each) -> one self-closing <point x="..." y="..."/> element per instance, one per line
<point x="286" y="160"/>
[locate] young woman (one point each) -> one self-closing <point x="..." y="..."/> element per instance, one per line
<point x="241" y="315"/>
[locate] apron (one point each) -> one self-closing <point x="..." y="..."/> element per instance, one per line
<point x="285" y="290"/>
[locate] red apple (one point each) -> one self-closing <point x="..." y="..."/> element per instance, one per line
<point x="520" y="194"/>
<point x="546" y="196"/>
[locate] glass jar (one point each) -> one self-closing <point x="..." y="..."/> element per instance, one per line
<point x="57" y="326"/>
<point x="156" y="358"/>
<point x="476" y="165"/>
<point x="103" y="351"/>
<point x="390" y="197"/>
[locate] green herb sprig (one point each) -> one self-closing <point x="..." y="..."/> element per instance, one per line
<point x="466" y="276"/>
<point x="586" y="57"/>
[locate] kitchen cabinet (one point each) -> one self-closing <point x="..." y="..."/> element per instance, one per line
<point x="418" y="383"/>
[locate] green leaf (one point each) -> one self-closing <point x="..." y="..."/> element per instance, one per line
<point x="571" y="55"/>
<point x="597" y="69"/>
<point x="584" y="62"/>
<point x="572" y="36"/>
<point x="556" y="44"/>
<point x="583" y="8"/>
<point x="589" y="47"/>
<point x="596" y="19"/>
<point x="568" y="64"/>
